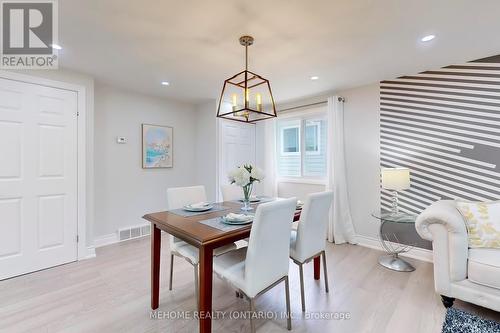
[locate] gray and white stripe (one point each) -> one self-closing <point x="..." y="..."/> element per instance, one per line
<point x="445" y="127"/>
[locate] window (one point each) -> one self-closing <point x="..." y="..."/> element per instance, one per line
<point x="290" y="140"/>
<point x="313" y="137"/>
<point x="301" y="147"/>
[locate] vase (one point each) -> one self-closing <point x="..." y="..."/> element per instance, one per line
<point x="247" y="192"/>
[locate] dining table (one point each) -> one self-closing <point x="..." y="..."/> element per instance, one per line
<point x="192" y="230"/>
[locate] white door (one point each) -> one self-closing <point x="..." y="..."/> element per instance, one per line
<point x="38" y="177"/>
<point x="237" y="146"/>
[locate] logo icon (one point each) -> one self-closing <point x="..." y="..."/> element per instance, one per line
<point x="29" y="31"/>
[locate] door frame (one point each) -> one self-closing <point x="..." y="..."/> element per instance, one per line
<point x="82" y="251"/>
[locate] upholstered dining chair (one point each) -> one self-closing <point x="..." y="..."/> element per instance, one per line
<point x="309" y="240"/>
<point x="262" y="265"/>
<point x="178" y="197"/>
<point x="231" y="192"/>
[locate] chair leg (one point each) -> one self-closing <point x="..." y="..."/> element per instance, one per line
<point x="325" y="271"/>
<point x="196" y="286"/>
<point x="171" y="271"/>
<point x="287" y="298"/>
<point x="302" y="294"/>
<point x="252" y="311"/>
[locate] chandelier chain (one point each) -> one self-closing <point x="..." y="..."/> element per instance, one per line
<point x="246" y="57"/>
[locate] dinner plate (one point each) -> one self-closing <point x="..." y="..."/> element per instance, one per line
<point x="237" y="222"/>
<point x="189" y="208"/>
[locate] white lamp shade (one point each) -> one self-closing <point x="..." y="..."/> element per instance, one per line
<point x="396" y="179"/>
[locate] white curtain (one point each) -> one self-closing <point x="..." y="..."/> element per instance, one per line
<point x="340" y="227"/>
<point x="270" y="186"/>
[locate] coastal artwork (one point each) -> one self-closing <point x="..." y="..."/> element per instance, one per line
<point x="157" y="146"/>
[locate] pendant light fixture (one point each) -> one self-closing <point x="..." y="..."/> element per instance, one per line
<point x="246" y="96"/>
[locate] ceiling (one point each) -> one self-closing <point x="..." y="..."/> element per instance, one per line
<point x="193" y="44"/>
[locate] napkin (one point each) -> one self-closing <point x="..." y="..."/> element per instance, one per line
<point x="237" y="217"/>
<point x="199" y="205"/>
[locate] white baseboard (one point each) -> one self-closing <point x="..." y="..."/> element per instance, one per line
<point x="106" y="240"/>
<point x="414" y="253"/>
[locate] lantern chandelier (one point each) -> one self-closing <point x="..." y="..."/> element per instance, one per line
<point x="246" y="96"/>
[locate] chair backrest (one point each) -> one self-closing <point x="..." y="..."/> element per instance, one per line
<point x="177" y="197"/>
<point x="231" y="192"/>
<point x="311" y="231"/>
<point x="268" y="250"/>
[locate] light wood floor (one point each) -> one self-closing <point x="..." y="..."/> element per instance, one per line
<point x="111" y="294"/>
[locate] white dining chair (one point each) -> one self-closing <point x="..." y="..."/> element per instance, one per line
<point x="231" y="192"/>
<point x="262" y="265"/>
<point x="177" y="197"/>
<point x="309" y="240"/>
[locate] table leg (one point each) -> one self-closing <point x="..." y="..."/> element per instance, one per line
<point x="317" y="268"/>
<point x="155" y="266"/>
<point x="206" y="261"/>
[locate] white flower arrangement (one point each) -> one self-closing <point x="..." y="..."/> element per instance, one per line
<point x="245" y="176"/>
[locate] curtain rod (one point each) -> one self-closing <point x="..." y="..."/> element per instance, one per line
<point x="302" y="106"/>
<point x="341" y="99"/>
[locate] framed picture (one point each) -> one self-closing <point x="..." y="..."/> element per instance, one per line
<point x="157" y="146"/>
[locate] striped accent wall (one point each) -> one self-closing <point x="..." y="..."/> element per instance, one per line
<point x="443" y="125"/>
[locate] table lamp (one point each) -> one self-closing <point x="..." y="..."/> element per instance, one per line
<point x="395" y="179"/>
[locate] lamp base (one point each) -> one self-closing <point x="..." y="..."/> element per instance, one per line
<point x="394" y="262"/>
<point x="395" y="202"/>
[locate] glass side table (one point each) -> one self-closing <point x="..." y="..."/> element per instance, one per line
<point x="391" y="243"/>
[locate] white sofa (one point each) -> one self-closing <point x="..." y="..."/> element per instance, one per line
<point x="472" y="275"/>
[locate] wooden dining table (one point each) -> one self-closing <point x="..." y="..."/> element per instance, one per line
<point x="206" y="239"/>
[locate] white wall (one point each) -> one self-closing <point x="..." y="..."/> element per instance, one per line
<point x="124" y="191"/>
<point x="362" y="123"/>
<point x="206" y="147"/>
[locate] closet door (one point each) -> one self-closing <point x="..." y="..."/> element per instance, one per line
<point x="38" y="177"/>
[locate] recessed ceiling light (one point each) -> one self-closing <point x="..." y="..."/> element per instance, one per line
<point x="428" y="38"/>
<point x="165" y="83"/>
<point x="314" y="78"/>
<point x="55" y="46"/>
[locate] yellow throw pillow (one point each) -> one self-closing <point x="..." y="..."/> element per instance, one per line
<point x="483" y="222"/>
